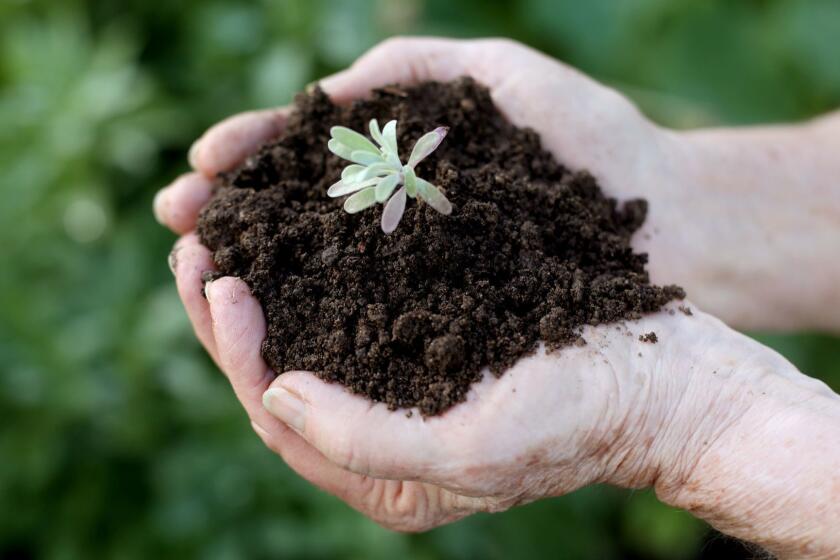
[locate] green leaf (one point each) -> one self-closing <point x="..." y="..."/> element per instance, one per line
<point x="427" y="144"/>
<point x="366" y="158"/>
<point x="351" y="173"/>
<point x="389" y="138"/>
<point x="410" y="180"/>
<point x="432" y="195"/>
<point x="353" y="139"/>
<point x="376" y="170"/>
<point x="339" y="149"/>
<point x="393" y="159"/>
<point x="393" y="212"/>
<point x="342" y="187"/>
<point x="360" y="201"/>
<point x="375" y="133"/>
<point x="386" y="186"/>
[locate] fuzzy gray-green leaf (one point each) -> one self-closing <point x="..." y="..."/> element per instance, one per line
<point x="410" y="180"/>
<point x="339" y="149"/>
<point x="386" y="186"/>
<point x="360" y="201"/>
<point x="351" y="173"/>
<point x="432" y="195"/>
<point x="364" y="157"/>
<point x="427" y="144"/>
<point x="375" y="133"/>
<point x="393" y="212"/>
<point x="389" y="137"/>
<point x="342" y="187"/>
<point x="353" y="139"/>
<point x="376" y="170"/>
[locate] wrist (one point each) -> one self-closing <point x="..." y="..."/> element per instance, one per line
<point x="684" y="394"/>
<point x="757" y="456"/>
<point x="762" y="202"/>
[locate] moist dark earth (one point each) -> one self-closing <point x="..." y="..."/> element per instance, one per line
<point x="532" y="251"/>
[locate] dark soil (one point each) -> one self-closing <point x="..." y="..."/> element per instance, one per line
<point x="649" y="337"/>
<point x="532" y="251"/>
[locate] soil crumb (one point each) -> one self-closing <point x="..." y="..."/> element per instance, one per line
<point x="532" y="251"/>
<point x="649" y="337"/>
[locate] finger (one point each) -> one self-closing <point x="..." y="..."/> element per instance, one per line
<point x="177" y="205"/>
<point x="395" y="504"/>
<point x="189" y="260"/>
<point x="239" y="329"/>
<point x="228" y="143"/>
<point x="358" y="435"/>
<point x="400" y="60"/>
<point x="512" y="72"/>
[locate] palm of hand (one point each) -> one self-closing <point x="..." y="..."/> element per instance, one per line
<point x="541" y="429"/>
<point x="546" y="427"/>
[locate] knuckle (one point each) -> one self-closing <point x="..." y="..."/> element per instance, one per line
<point x="495" y="47"/>
<point x="498" y="505"/>
<point x="396" y="42"/>
<point x="503" y="43"/>
<point x="270" y="444"/>
<point x="406" y="507"/>
<point x="269" y="441"/>
<point x="386" y="48"/>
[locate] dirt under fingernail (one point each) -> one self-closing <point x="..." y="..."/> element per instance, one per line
<point x="531" y="252"/>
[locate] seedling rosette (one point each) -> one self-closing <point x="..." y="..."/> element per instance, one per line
<point x="376" y="171"/>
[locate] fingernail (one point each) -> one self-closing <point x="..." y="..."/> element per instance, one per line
<point x="207" y="290"/>
<point x="193" y="154"/>
<point x="172" y="259"/>
<point x="286" y="406"/>
<point x="157" y="206"/>
<point x="259" y="430"/>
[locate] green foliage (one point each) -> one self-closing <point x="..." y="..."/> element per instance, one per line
<point x="119" y="438"/>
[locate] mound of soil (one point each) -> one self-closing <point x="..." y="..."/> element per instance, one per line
<point x="532" y="251"/>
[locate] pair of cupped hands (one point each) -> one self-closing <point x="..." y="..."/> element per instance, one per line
<point x="672" y="415"/>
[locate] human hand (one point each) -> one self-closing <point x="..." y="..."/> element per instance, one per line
<point x="697" y="415"/>
<point x="601" y="413"/>
<point x="732" y="212"/>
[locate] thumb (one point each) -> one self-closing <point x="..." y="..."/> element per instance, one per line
<point x="356" y="434"/>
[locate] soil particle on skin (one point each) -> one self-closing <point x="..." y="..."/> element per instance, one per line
<point x="685" y="310"/>
<point x="649" y="337"/>
<point x="532" y="251"/>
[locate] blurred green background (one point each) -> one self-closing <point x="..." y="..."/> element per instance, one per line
<point x="118" y="439"/>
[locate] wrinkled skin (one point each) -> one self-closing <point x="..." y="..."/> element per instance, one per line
<point x="626" y="412"/>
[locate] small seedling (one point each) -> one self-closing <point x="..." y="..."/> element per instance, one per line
<point x="376" y="172"/>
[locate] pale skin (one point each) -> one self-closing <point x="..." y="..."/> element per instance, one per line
<point x="747" y="220"/>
